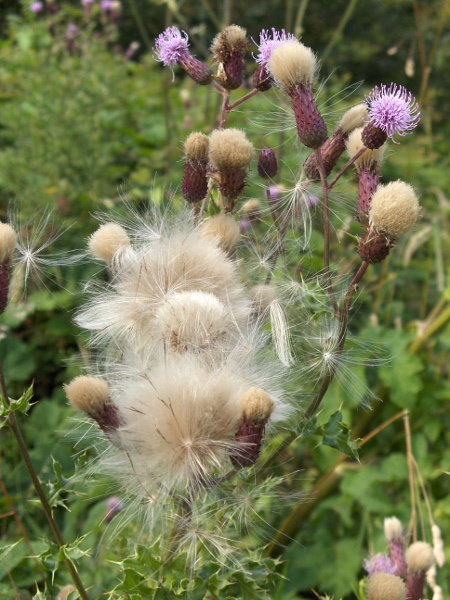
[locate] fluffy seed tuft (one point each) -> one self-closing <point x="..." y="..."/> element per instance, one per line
<point x="88" y="394"/>
<point x="355" y="117"/>
<point x="369" y="157"/>
<point x="196" y="147"/>
<point x="107" y="240"/>
<point x="291" y="64"/>
<point x="8" y="240"/>
<point x="419" y="557"/>
<point x="384" y="586"/>
<point x="257" y="406"/>
<point x="224" y="229"/>
<point x="393" y="529"/>
<point x="394" y="208"/>
<point x="230" y="149"/>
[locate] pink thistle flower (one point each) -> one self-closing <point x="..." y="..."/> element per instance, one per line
<point x="377" y="563"/>
<point x="268" y="42"/>
<point x="37" y="7"/>
<point x="106" y="5"/>
<point x="393" y="109"/>
<point x="171" y="48"/>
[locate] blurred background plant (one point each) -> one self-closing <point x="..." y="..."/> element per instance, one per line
<point x="86" y="116"/>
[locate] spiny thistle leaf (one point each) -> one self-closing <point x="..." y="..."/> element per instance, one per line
<point x="337" y="435"/>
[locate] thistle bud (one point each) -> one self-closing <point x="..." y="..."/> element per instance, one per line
<point x="230" y="153"/>
<point x="368" y="169"/>
<point x="262" y="80"/>
<point x="267" y="164"/>
<point x="257" y="406"/>
<point x="293" y="66"/>
<point x="8" y="240"/>
<point x="91" y="396"/>
<point x="419" y="557"/>
<point x="334" y="146"/>
<point x="384" y="586"/>
<point x="228" y="49"/>
<point x="194" y="186"/>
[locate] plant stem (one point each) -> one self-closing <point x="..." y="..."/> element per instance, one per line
<point x="326" y="228"/>
<point x="345" y="167"/>
<point x="12" y="421"/>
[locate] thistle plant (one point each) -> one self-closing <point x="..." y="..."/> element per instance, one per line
<point x="186" y="386"/>
<point x="188" y="394"/>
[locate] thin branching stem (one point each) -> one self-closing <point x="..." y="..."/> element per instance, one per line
<point x="326" y="228"/>
<point x="14" y="425"/>
<point x="345" y="167"/>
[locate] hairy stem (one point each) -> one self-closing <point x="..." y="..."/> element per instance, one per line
<point x="12" y="421"/>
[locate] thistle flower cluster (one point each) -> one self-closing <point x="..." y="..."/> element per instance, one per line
<point x="402" y="574"/>
<point x="179" y="390"/>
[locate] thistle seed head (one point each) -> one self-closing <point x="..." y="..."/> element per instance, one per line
<point x="369" y="158"/>
<point x="196" y="148"/>
<point x="383" y="586"/>
<point x="228" y="50"/>
<point x="230" y="149"/>
<point x="419" y="557"/>
<point x="394" y="209"/>
<point x="355" y="117"/>
<point x="393" y="529"/>
<point x="91" y="396"/>
<point x="8" y="240"/>
<point x="292" y="64"/>
<point x="225" y="229"/>
<point x="107" y="240"/>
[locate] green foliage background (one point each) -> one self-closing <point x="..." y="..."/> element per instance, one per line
<point x="79" y="129"/>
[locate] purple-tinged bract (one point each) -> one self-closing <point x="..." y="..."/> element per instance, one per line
<point x="393" y="109"/>
<point x="268" y="42"/>
<point x="379" y="563"/>
<point x="171" y="46"/>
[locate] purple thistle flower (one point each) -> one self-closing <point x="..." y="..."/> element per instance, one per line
<point x="171" y="47"/>
<point x="379" y="563"/>
<point x="393" y="109"/>
<point x="37" y="7"/>
<point x="87" y="2"/>
<point x="268" y="42"/>
<point x="106" y="5"/>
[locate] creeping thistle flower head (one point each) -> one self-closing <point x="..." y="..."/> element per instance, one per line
<point x="224" y="229"/>
<point x="392" y="111"/>
<point x="268" y="42"/>
<point x="194" y="186"/>
<point x="393" y="531"/>
<point x="382" y="586"/>
<point x="420" y="558"/>
<point x="171" y="48"/>
<point x="107" y="240"/>
<point x="394" y="209"/>
<point x="294" y="67"/>
<point x="230" y="153"/>
<point x="228" y="48"/>
<point x="91" y="396"/>
<point x="379" y="563"/>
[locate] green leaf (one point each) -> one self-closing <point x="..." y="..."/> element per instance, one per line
<point x="22" y="405"/>
<point x="336" y="434"/>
